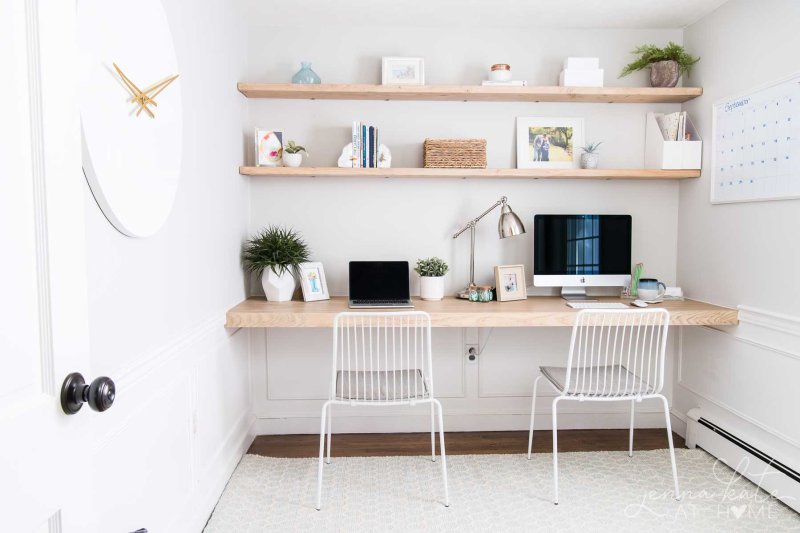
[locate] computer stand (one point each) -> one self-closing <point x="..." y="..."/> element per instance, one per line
<point x="576" y="294"/>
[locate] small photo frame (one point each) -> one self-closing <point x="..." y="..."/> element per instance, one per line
<point x="510" y="282"/>
<point x="312" y="281"/>
<point x="269" y="148"/>
<point x="549" y="142"/>
<point x="403" y="71"/>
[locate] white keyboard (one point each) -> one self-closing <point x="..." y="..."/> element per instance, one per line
<point x="597" y="305"/>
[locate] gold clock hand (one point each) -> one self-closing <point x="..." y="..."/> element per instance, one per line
<point x="138" y="96"/>
<point x="158" y="87"/>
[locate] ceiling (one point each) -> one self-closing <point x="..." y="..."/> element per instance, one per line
<point x="482" y="13"/>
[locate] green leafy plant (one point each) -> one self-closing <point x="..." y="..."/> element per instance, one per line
<point x="292" y="148"/>
<point x="591" y="148"/>
<point x="650" y="53"/>
<point x="277" y="248"/>
<point x="433" y="267"/>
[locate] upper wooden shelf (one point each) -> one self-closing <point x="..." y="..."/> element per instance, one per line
<point x="478" y="93"/>
<point x="491" y="173"/>
<point x="544" y="311"/>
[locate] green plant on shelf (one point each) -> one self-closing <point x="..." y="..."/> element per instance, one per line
<point x="433" y="267"/>
<point x="650" y="53"/>
<point x="292" y="148"/>
<point x="277" y="248"/>
<point x="591" y="148"/>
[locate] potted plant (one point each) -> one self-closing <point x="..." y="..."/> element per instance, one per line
<point x="666" y="64"/>
<point x="590" y="156"/>
<point x="275" y="253"/>
<point x="431" y="281"/>
<point x="293" y="154"/>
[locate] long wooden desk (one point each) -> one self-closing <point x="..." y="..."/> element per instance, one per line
<point x="537" y="311"/>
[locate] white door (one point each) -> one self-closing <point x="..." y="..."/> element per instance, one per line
<point x="43" y="307"/>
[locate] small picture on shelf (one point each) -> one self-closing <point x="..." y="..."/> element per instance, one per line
<point x="510" y="282"/>
<point x="312" y="281"/>
<point x="548" y="142"/>
<point x="403" y="71"/>
<point x="269" y="148"/>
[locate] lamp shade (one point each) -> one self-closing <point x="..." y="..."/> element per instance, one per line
<point x="509" y="224"/>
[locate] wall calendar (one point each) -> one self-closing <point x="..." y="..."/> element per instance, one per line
<point x="756" y="147"/>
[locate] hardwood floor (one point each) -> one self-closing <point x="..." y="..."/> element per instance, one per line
<point x="461" y="443"/>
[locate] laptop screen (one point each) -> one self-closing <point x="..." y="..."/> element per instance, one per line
<point x="379" y="280"/>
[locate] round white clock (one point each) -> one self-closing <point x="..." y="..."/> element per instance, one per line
<point x="131" y="114"/>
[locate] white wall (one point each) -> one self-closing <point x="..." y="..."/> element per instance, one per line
<point x="157" y="305"/>
<point x="742" y="254"/>
<point x="355" y="218"/>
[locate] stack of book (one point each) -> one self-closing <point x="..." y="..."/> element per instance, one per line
<point x="673" y="126"/>
<point x="366" y="141"/>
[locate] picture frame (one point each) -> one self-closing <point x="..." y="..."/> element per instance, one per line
<point x="562" y="136"/>
<point x="510" y="283"/>
<point x="268" y="148"/>
<point x="403" y="71"/>
<point x="312" y="282"/>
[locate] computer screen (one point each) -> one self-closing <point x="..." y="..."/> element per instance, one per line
<point x="379" y="280"/>
<point x="580" y="245"/>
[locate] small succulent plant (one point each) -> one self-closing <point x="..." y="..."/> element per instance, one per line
<point x="292" y="148"/>
<point x="591" y="148"/>
<point x="433" y="267"/>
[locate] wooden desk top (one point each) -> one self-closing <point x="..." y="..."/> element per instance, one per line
<point x="452" y="312"/>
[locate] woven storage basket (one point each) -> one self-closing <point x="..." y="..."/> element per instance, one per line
<point x="454" y="153"/>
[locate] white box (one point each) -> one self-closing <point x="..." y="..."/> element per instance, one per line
<point x="581" y="78"/>
<point x="671" y="155"/>
<point x="582" y="63"/>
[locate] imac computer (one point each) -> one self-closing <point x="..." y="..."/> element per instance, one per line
<point x="578" y="251"/>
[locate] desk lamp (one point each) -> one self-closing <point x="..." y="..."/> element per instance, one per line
<point x="508" y="226"/>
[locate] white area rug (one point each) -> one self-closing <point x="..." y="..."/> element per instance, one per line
<point x="600" y="491"/>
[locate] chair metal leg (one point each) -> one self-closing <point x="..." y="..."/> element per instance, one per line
<point x="555" y="451"/>
<point x="330" y="417"/>
<point x="671" y="447"/>
<point x="533" y="412"/>
<point x="433" y="434"/>
<point x="321" y="454"/>
<point x="630" y="436"/>
<point x="444" y="456"/>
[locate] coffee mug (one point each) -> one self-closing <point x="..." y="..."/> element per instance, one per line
<point x="651" y="289"/>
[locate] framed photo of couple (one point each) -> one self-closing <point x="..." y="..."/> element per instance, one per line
<point x="549" y="142"/>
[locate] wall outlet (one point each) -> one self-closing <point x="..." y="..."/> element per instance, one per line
<point x="471" y="351"/>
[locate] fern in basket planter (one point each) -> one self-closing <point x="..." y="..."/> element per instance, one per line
<point x="293" y="154"/>
<point x="666" y="64"/>
<point x="431" y="281"/>
<point x="276" y="253"/>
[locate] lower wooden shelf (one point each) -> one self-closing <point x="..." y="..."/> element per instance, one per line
<point x="541" y="311"/>
<point x="480" y="173"/>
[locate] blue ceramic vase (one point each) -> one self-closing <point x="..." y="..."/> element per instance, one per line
<point x="305" y="74"/>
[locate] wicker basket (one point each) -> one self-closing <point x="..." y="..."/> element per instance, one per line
<point x="454" y="153"/>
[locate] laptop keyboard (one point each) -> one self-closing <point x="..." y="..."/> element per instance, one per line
<point x="379" y="302"/>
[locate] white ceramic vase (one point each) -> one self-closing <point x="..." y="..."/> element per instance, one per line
<point x="431" y="288"/>
<point x="278" y="288"/>
<point x="293" y="160"/>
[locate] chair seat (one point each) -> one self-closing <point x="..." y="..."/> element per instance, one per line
<point x="613" y="380"/>
<point x="381" y="386"/>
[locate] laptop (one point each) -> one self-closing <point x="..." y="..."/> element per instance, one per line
<point x="379" y="284"/>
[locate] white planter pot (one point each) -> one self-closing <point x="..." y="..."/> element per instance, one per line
<point x="431" y="288"/>
<point x="293" y="160"/>
<point x="589" y="160"/>
<point x="278" y="288"/>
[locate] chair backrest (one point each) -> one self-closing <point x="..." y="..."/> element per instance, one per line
<point x="372" y="349"/>
<point x="607" y="342"/>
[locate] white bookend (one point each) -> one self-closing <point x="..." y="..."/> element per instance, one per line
<point x="671" y="155"/>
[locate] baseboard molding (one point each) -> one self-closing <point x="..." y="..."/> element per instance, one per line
<point x="454" y="422"/>
<point x="201" y="502"/>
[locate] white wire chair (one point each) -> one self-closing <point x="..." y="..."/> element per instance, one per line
<point x="381" y="359"/>
<point x="614" y="355"/>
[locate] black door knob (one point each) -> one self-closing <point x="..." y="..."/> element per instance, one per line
<point x="100" y="394"/>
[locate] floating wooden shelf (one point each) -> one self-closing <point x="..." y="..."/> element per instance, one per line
<point x="479" y="93"/>
<point x="492" y="173"/>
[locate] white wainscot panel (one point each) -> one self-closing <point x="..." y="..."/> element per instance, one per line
<point x="511" y="358"/>
<point x="298" y="363"/>
<point x="753" y="381"/>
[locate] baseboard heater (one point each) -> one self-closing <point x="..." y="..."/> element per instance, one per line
<point x="766" y="471"/>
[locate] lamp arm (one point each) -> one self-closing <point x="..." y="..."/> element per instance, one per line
<point x="474" y="221"/>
